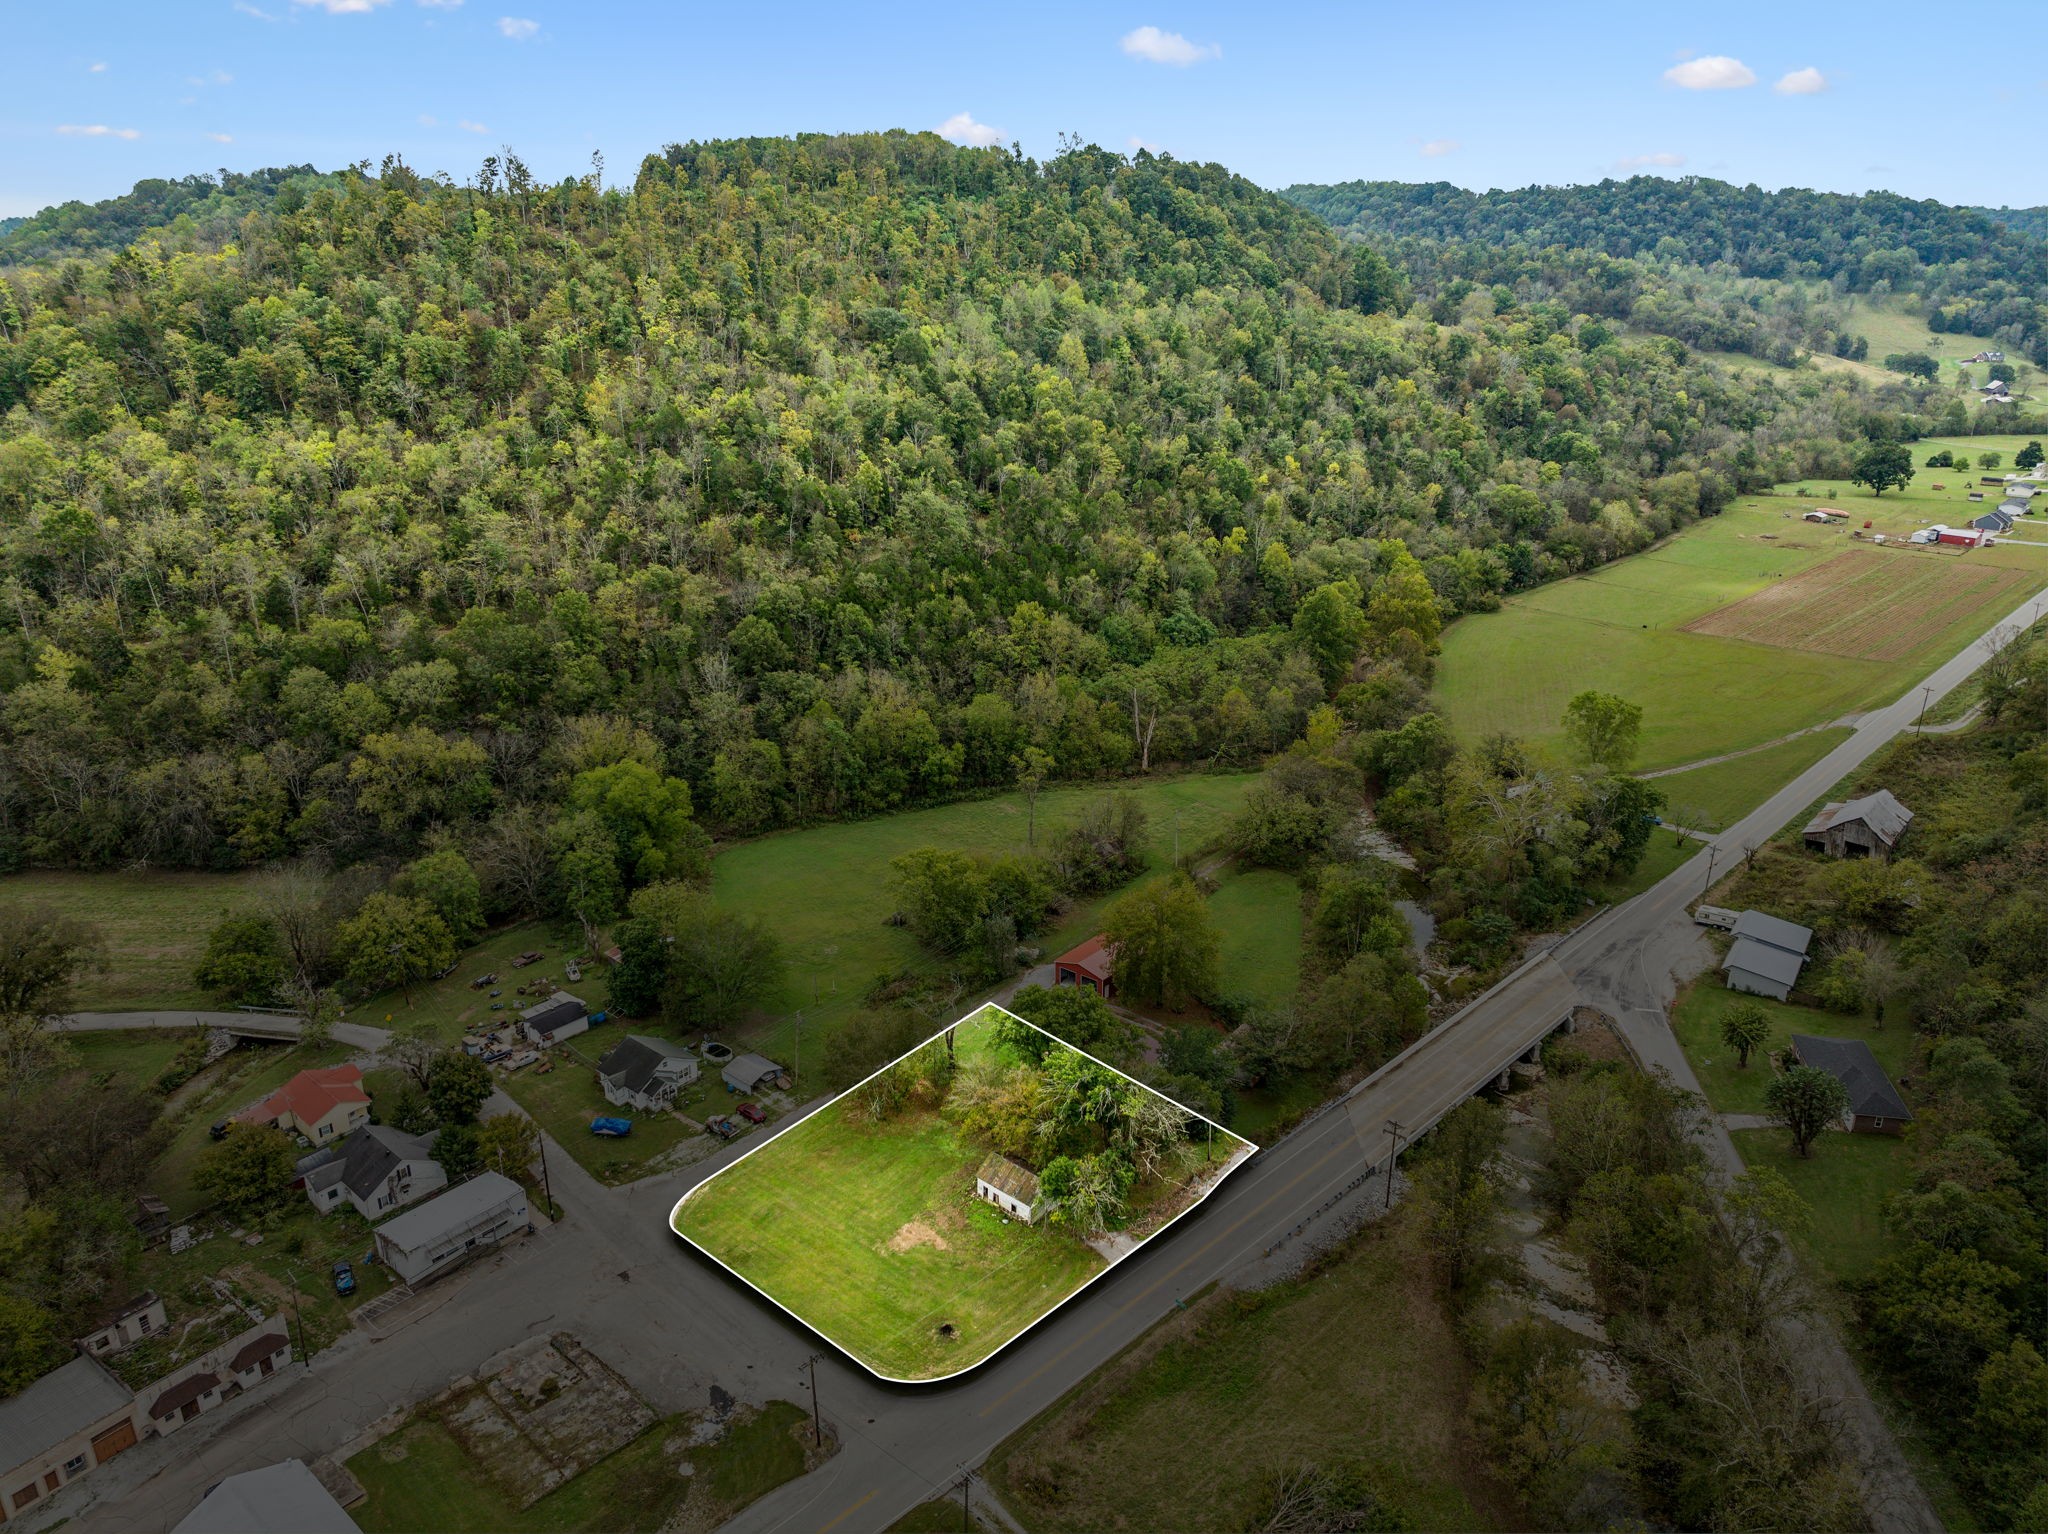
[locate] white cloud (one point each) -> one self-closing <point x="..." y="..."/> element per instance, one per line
<point x="1137" y="143"/>
<point x="469" y="127"/>
<point x="343" y="7"/>
<point x="217" y="77"/>
<point x="441" y="5"/>
<point x="96" y="69"/>
<point x="249" y="10"/>
<point x="98" y="130"/>
<point x="961" y="128"/>
<point x="1662" y="160"/>
<point x="1802" y="82"/>
<point x="1715" y="72"/>
<point x="1168" y="48"/>
<point x="429" y="120"/>
<point x="222" y="138"/>
<point x="518" y="28"/>
<point x="1441" y="146"/>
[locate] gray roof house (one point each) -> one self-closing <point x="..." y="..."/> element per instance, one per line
<point x="645" y="1073"/>
<point x="1773" y="932"/>
<point x="1875" y="1106"/>
<point x="442" y="1233"/>
<point x="1760" y="969"/>
<point x="1867" y="827"/>
<point x="377" y="1169"/>
<point x="749" y="1073"/>
<point x="560" y="1017"/>
<point x="67" y="1423"/>
<point x="1012" y="1186"/>
<point x="281" y="1496"/>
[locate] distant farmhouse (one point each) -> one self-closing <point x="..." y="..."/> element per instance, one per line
<point x="1875" y="1106"/>
<point x="1766" y="956"/>
<point x="645" y="1073"/>
<point x="1012" y="1186"/>
<point x="1860" y="828"/>
<point x="1986" y="357"/>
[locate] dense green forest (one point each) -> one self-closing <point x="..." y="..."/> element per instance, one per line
<point x="811" y="477"/>
<point x="2033" y="221"/>
<point x="188" y="210"/>
<point x="1971" y="274"/>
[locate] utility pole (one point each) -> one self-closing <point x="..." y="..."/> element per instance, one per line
<point x="1396" y="1131"/>
<point x="298" y="1321"/>
<point x="1925" y="693"/>
<point x="966" y="1512"/>
<point x="540" y="1138"/>
<point x="1713" y="852"/>
<point x="817" y="1421"/>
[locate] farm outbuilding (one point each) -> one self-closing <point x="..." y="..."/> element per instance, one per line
<point x="1012" y="1186"/>
<point x="1760" y="969"/>
<point x="1091" y="965"/>
<point x="1875" y="1106"/>
<point x="560" y="1017"/>
<point x="1859" y="828"/>
<point x="1773" y="932"/>
<point x="750" y="1073"/>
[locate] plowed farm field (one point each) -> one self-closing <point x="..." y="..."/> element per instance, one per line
<point x="1864" y="605"/>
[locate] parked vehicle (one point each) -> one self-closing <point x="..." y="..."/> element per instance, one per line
<point x="611" y="1128"/>
<point x="722" y="1126"/>
<point x="752" y="1113"/>
<point x="344" y="1278"/>
<point x="531" y="956"/>
<point x="483" y="980"/>
<point x="218" y="1130"/>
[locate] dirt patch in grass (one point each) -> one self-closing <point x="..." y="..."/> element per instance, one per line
<point x="917" y="1233"/>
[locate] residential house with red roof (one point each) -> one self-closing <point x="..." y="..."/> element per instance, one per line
<point x="323" y="1105"/>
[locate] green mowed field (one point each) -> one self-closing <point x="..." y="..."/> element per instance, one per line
<point x="566" y="1099"/>
<point x="154" y="925"/>
<point x="872" y="1235"/>
<point x="1731" y="1088"/>
<point x="1896" y="324"/>
<point x="1258" y="913"/>
<point x="1716" y="796"/>
<point x="825" y="891"/>
<point x="1621" y="629"/>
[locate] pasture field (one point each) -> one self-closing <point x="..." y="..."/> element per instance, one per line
<point x="1864" y="604"/>
<point x="1258" y="912"/>
<point x="1895" y="325"/>
<point x="154" y="923"/>
<point x="1716" y="796"/>
<point x="824" y="891"/>
<point x="871" y="1234"/>
<point x="1629" y="628"/>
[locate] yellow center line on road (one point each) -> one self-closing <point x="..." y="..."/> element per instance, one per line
<point x="1202" y="1251"/>
<point x="850" y="1511"/>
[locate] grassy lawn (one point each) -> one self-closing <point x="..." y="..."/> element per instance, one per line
<point x="942" y="1516"/>
<point x="134" y="1056"/>
<point x="1896" y="324"/>
<point x="1730" y="1088"/>
<point x="452" y="1007"/>
<point x="564" y="1101"/>
<point x="1716" y="796"/>
<point x="1354" y="1367"/>
<point x="1260" y="1112"/>
<point x="825" y="890"/>
<point x="1847" y="1180"/>
<point x="1659" y="859"/>
<point x="154" y="924"/>
<point x="421" y="1478"/>
<point x="1622" y="629"/>
<point x="872" y="1234"/>
<point x="243" y="1076"/>
<point x="1258" y="913"/>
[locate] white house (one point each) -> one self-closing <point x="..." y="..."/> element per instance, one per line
<point x="645" y="1073"/>
<point x="560" y="1017"/>
<point x="1012" y="1186"/>
<point x="377" y="1169"/>
<point x="220" y="1374"/>
<point x="68" y="1423"/>
<point x="281" y="1496"/>
<point x="124" y="1325"/>
<point x="454" y="1225"/>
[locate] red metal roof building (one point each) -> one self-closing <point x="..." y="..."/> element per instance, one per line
<point x="322" y="1105"/>
<point x="1092" y="964"/>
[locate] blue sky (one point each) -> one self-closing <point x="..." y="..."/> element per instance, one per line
<point x="1826" y="94"/>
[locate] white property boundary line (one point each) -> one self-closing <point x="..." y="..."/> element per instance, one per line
<point x="1232" y="1164"/>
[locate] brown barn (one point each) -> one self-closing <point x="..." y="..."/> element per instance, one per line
<point x="1092" y="965"/>
<point x="1861" y="828"/>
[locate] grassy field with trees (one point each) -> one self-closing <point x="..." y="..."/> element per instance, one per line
<point x="862" y="1219"/>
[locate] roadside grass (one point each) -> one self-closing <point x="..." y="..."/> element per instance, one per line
<point x="1261" y="1111"/>
<point x="941" y="1515"/>
<point x="1723" y="792"/>
<point x="1696" y="1019"/>
<point x="421" y="1478"/>
<point x="1659" y="859"/>
<point x="133" y="1056"/>
<point x="1353" y="1366"/>
<point x="1258" y="914"/>
<point x="824" y="891"/>
<point x="1621" y="629"/>
<point x="566" y="1099"/>
<point x="1846" y="1181"/>
<point x="154" y="924"/>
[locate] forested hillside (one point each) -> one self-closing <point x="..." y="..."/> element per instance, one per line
<point x="2032" y="221"/>
<point x="1972" y="275"/>
<point x="188" y="210"/>
<point x="798" y="478"/>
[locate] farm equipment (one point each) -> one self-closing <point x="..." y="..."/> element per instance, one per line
<point x="611" y="1128"/>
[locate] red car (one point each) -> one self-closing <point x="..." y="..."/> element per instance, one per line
<point x="752" y="1113"/>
